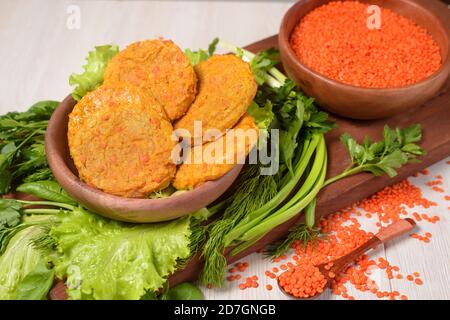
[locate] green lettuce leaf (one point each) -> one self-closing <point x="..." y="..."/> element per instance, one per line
<point x="195" y="57"/>
<point x="104" y="259"/>
<point x="92" y="77"/>
<point x="17" y="261"/>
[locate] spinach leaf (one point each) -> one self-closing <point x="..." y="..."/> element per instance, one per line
<point x="48" y="190"/>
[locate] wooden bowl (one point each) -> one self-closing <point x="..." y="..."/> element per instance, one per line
<point x="115" y="207"/>
<point x="357" y="102"/>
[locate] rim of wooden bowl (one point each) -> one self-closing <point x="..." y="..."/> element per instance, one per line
<point x="120" y="208"/>
<point x="284" y="44"/>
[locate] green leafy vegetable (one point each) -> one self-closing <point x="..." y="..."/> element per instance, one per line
<point x="262" y="63"/>
<point x="397" y="148"/>
<point x="300" y="232"/>
<point x="253" y="191"/>
<point x="49" y="190"/>
<point x="195" y="57"/>
<point x="17" y="261"/>
<point x="36" y="284"/>
<point x="92" y="77"/>
<point x="263" y="117"/>
<point x="9" y="213"/>
<point x="22" y="152"/>
<point x="104" y="259"/>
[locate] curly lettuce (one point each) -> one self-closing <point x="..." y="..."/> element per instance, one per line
<point x="92" y="77"/>
<point x="104" y="259"/>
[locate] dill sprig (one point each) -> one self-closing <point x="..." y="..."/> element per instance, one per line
<point x="43" y="241"/>
<point x="300" y="232"/>
<point x="253" y="191"/>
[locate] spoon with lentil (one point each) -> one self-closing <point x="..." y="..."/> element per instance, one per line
<point x="306" y="281"/>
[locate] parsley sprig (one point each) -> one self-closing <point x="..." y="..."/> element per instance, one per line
<point x="397" y="148"/>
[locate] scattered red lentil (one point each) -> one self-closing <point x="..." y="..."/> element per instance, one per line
<point x="438" y="189"/>
<point x="434" y="183"/>
<point x="344" y="233"/>
<point x="334" y="40"/>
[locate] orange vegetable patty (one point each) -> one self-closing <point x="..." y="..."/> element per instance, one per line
<point x="120" y="141"/>
<point x="226" y="89"/>
<point x="160" y="67"/>
<point x="244" y="137"/>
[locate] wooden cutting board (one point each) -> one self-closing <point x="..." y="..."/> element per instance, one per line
<point x="434" y="117"/>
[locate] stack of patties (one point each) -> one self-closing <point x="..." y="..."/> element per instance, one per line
<point x="120" y="135"/>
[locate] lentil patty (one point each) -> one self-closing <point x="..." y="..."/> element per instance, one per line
<point x="120" y="141"/>
<point x="191" y="175"/>
<point x="226" y="89"/>
<point x="160" y="67"/>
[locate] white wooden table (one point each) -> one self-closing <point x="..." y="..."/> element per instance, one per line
<point x="38" y="53"/>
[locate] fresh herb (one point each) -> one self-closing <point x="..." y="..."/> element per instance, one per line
<point x="22" y="152"/>
<point x="9" y="213"/>
<point x="300" y="232"/>
<point x="13" y="214"/>
<point x="195" y="57"/>
<point x="36" y="284"/>
<point x="253" y="191"/>
<point x="95" y="66"/>
<point x="262" y="63"/>
<point x="397" y="148"/>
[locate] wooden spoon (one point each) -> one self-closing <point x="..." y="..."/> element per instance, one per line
<point x="390" y="232"/>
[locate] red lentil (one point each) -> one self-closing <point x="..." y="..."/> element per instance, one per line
<point x="334" y="40"/>
<point x="303" y="281"/>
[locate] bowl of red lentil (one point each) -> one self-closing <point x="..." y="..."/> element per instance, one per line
<point x="366" y="59"/>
